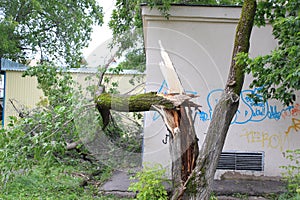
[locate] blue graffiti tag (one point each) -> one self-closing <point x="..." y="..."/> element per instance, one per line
<point x="249" y="111"/>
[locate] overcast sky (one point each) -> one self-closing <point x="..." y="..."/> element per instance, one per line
<point x="103" y="33"/>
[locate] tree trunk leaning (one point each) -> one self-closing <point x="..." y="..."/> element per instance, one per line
<point x="199" y="186"/>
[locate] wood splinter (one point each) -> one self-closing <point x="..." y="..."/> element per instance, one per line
<point x="178" y="120"/>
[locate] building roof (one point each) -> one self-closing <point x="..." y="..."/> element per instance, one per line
<point x="7" y="65"/>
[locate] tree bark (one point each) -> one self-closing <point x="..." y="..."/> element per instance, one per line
<point x="134" y="103"/>
<point x="199" y="186"/>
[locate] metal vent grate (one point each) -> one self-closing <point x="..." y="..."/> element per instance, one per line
<point x="252" y="161"/>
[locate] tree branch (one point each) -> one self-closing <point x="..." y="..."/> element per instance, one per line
<point x="134" y="103"/>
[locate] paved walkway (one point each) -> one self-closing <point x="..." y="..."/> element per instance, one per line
<point x="254" y="189"/>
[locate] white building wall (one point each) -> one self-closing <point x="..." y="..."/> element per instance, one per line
<point x="199" y="41"/>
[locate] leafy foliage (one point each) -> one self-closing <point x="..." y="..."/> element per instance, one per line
<point x="56" y="83"/>
<point x="9" y="43"/>
<point x="135" y="59"/>
<point x="54" y="29"/>
<point x="40" y="137"/>
<point x="292" y="174"/>
<point x="277" y="74"/>
<point x="150" y="184"/>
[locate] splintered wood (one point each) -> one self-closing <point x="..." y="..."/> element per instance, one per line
<point x="179" y="122"/>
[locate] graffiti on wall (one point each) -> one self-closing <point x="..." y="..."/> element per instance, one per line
<point x="271" y="140"/>
<point x="249" y="111"/>
<point x="266" y="139"/>
<point x="294" y="112"/>
<point x="294" y="127"/>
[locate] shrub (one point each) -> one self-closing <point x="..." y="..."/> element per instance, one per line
<point x="150" y="184"/>
<point x="292" y="174"/>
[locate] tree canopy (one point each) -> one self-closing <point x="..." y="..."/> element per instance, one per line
<point x="53" y="29"/>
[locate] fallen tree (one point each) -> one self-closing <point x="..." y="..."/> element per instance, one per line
<point x="192" y="171"/>
<point x="134" y="103"/>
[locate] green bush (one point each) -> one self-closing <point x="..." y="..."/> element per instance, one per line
<point x="292" y="175"/>
<point x="39" y="137"/>
<point x="150" y="184"/>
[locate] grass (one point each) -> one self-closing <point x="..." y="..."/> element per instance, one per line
<point x="63" y="183"/>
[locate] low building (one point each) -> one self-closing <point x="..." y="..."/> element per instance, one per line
<point x="21" y="93"/>
<point x="199" y="40"/>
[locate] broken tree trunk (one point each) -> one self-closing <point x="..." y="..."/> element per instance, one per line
<point x="184" y="152"/>
<point x="183" y="145"/>
<point x="199" y="186"/>
<point x="175" y="110"/>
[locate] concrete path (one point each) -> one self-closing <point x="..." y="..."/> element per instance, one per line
<point x="253" y="189"/>
<point x="118" y="185"/>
